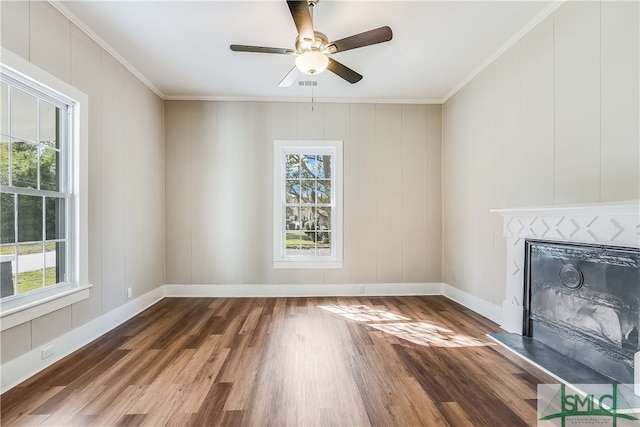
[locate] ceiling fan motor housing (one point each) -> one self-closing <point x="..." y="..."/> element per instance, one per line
<point x="319" y="43"/>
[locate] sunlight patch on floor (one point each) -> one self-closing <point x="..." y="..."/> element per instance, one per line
<point x="421" y="333"/>
<point x="363" y="313"/>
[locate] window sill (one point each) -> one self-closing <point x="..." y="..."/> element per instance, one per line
<point x="307" y="265"/>
<point x="30" y="306"/>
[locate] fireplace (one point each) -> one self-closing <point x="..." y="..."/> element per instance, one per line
<point x="609" y="229"/>
<point x="584" y="301"/>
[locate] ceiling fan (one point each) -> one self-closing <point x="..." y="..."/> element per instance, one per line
<point x="312" y="48"/>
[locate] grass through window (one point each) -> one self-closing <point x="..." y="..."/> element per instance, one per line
<point x="32" y="280"/>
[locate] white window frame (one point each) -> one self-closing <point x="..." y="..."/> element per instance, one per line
<point x="22" y="308"/>
<point x="280" y="149"/>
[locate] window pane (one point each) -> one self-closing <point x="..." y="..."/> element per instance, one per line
<point x="49" y="167"/>
<point x="307" y="164"/>
<point x="24" y="115"/>
<point x="7" y="218"/>
<point x="293" y="218"/>
<point x="30" y="267"/>
<point x="319" y="166"/>
<point x="4" y="162"/>
<point x="7" y="270"/>
<point x="293" y="242"/>
<point x="310" y="249"/>
<point x="292" y="166"/>
<point x="310" y="235"/>
<point x="324" y="218"/>
<point x="307" y="191"/>
<point x="48" y="125"/>
<point x="307" y="217"/>
<point x="293" y="191"/>
<point x="326" y="166"/>
<point x="4" y="108"/>
<point x="54" y="263"/>
<point x="24" y="168"/>
<point x="324" y="231"/>
<point x="55" y="216"/>
<point x="29" y="218"/>
<point x="324" y="244"/>
<point x="323" y="194"/>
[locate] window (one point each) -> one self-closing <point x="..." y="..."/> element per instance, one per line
<point x="308" y="204"/>
<point x="42" y="211"/>
<point x="34" y="177"/>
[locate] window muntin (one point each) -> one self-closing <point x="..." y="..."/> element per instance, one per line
<point x="34" y="187"/>
<point x="307" y="221"/>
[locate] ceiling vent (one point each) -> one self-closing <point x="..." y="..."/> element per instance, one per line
<point x="307" y="83"/>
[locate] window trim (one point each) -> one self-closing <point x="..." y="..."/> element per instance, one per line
<point x="23" y="308"/>
<point x="280" y="260"/>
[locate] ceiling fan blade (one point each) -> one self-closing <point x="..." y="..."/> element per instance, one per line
<point x="261" y="49"/>
<point x="343" y="71"/>
<point x="378" y="35"/>
<point x="289" y="78"/>
<point x="302" y="18"/>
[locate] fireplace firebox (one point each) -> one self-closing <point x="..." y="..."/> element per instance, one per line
<point x="583" y="300"/>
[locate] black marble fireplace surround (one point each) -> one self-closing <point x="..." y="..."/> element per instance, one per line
<point x="583" y="301"/>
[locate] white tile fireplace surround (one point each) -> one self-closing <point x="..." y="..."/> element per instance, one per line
<point x="614" y="224"/>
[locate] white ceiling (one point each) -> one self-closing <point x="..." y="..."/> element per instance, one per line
<point x="181" y="48"/>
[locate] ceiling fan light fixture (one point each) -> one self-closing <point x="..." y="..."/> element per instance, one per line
<point x="312" y="62"/>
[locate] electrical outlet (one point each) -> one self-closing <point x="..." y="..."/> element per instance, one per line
<point x="129" y="292"/>
<point x="48" y="352"/>
<point x="361" y="289"/>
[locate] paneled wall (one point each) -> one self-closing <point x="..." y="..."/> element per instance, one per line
<point x="219" y="193"/>
<point x="126" y="224"/>
<point x="553" y="121"/>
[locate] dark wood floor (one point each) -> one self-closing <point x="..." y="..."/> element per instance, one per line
<point x="384" y="361"/>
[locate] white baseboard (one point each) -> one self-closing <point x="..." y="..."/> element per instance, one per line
<point x="29" y="364"/>
<point x="484" y="308"/>
<point x="311" y="290"/>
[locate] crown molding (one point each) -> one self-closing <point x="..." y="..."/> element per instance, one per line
<point x="103" y="44"/>
<point x="304" y="99"/>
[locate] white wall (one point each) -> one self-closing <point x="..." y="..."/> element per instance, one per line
<point x="126" y="223"/>
<point x="554" y="120"/>
<point x="219" y="190"/>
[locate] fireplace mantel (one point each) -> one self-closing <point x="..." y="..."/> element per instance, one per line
<point x="613" y="224"/>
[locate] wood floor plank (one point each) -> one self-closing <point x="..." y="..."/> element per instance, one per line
<point x="242" y="385"/>
<point x="211" y="410"/>
<point x="14" y="406"/>
<point x="203" y="381"/>
<point x="350" y="361"/>
<point x="121" y="404"/>
<point x="30" y="420"/>
<point x="454" y="414"/>
<point x="70" y="412"/>
<point x="131" y="420"/>
<point x="231" y="419"/>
